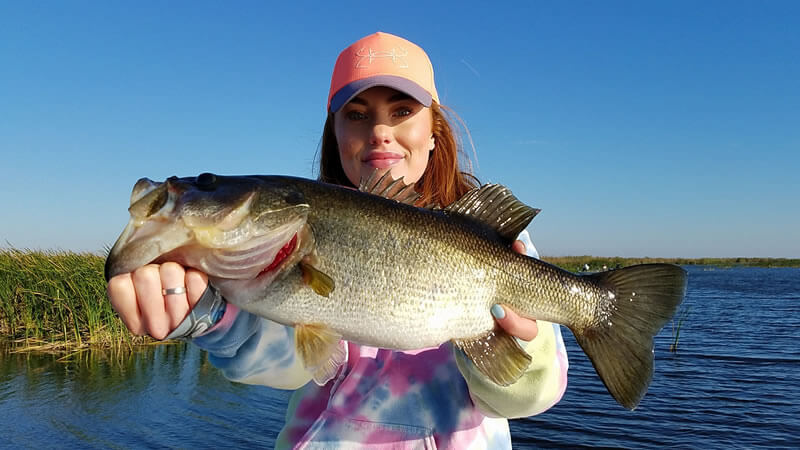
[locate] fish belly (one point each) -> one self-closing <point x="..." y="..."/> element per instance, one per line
<point x="387" y="315"/>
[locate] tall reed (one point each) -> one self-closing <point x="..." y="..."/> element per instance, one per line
<point x="676" y="329"/>
<point x="56" y="299"/>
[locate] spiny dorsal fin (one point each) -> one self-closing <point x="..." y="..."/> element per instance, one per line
<point x="386" y="186"/>
<point x="495" y="206"/>
<point x="497" y="355"/>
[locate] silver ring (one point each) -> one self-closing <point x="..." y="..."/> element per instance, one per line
<point x="177" y="290"/>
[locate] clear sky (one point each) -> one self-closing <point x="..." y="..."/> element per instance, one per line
<point x="664" y="129"/>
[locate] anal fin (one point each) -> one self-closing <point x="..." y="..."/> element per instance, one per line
<point x="497" y="355"/>
<point x="319" y="348"/>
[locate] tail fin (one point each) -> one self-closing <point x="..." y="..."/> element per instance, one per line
<point x="621" y="345"/>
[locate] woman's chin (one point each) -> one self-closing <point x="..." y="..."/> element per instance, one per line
<point x="368" y="169"/>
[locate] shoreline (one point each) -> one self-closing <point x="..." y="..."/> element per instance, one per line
<point x="56" y="301"/>
<point x="596" y="263"/>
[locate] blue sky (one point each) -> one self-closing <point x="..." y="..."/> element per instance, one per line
<point x="665" y="129"/>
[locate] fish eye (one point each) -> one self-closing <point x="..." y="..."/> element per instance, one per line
<point x="206" y="181"/>
<point x="294" y="198"/>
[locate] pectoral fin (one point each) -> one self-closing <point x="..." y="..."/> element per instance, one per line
<point x="319" y="348"/>
<point x="497" y="355"/>
<point x="320" y="282"/>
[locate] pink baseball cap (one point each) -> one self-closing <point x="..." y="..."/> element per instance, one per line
<point x="382" y="59"/>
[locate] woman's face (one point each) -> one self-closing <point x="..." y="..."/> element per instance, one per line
<point x="384" y="129"/>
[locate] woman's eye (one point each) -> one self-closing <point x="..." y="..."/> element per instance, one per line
<point x="356" y="115"/>
<point x="403" y="112"/>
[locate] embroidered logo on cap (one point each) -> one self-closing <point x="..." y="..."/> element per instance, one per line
<point x="396" y="54"/>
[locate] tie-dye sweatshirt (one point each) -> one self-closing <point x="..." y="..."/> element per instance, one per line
<point x="429" y="398"/>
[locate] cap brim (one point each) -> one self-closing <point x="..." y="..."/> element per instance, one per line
<point x="349" y="91"/>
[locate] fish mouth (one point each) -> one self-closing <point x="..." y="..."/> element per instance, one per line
<point x="231" y="228"/>
<point x="255" y="257"/>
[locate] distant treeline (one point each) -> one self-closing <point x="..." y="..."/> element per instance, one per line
<point x="57" y="299"/>
<point x="578" y="263"/>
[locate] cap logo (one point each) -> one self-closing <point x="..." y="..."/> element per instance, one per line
<point x="396" y="54"/>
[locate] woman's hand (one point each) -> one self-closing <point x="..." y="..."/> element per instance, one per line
<point x="141" y="304"/>
<point x="510" y="321"/>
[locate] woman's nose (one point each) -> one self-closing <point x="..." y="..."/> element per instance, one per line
<point x="381" y="134"/>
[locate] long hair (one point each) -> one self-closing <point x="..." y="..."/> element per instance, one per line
<point x="443" y="182"/>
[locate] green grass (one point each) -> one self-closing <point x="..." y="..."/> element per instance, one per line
<point x="56" y="300"/>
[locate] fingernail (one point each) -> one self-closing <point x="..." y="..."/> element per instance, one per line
<point x="498" y="312"/>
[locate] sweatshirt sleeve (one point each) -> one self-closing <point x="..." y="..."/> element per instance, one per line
<point x="253" y="350"/>
<point x="540" y="387"/>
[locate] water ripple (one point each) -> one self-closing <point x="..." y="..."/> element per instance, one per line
<point x="734" y="383"/>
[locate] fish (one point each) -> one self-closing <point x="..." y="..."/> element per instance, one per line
<point x="369" y="266"/>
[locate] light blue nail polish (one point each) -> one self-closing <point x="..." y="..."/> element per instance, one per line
<point x="498" y="312"/>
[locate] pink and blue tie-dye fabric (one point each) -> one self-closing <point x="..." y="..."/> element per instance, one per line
<point x="391" y="399"/>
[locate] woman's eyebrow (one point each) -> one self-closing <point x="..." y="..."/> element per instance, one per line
<point x="399" y="97"/>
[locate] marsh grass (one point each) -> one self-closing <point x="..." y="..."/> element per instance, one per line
<point x="56" y="301"/>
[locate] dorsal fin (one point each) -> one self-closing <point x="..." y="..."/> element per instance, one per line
<point x="495" y="206"/>
<point x="387" y="187"/>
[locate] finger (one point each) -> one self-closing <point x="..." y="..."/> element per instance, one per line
<point x="176" y="306"/>
<point x="123" y="299"/>
<point x="147" y="282"/>
<point x="196" y="284"/>
<point x="514" y="324"/>
<point x="518" y="246"/>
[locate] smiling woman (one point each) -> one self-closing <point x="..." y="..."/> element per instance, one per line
<point x="382" y="100"/>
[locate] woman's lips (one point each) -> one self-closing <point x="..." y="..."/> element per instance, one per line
<point x="382" y="160"/>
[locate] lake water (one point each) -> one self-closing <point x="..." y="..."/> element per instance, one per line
<point x="734" y="382"/>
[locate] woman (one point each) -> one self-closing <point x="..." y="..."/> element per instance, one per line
<point x="383" y="115"/>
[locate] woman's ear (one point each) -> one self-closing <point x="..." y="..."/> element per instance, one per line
<point x="433" y="143"/>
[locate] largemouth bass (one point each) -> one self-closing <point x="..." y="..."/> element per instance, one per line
<point x="339" y="263"/>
